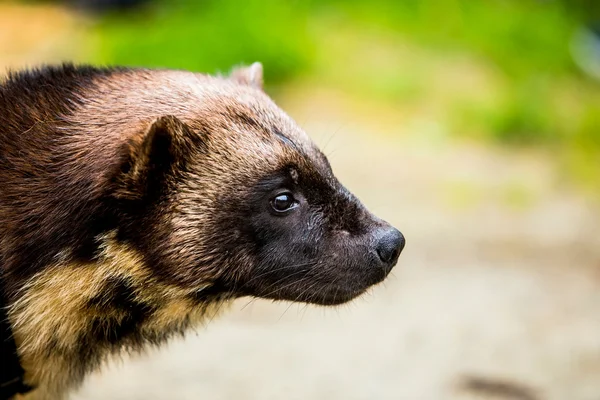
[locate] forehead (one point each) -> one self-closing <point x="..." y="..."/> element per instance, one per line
<point x="251" y="110"/>
<point x="246" y="128"/>
<point x="250" y="123"/>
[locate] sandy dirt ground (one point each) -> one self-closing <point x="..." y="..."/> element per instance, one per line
<point x="496" y="296"/>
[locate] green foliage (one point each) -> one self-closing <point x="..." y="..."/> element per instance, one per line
<point x="501" y="69"/>
<point x="524" y="116"/>
<point x="518" y="36"/>
<point x="210" y="36"/>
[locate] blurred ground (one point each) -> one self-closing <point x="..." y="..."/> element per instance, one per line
<point x="32" y="35"/>
<point x="497" y="294"/>
<point x="498" y="289"/>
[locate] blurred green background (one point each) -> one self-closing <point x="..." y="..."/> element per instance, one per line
<point x="501" y="70"/>
<point x="494" y="70"/>
<point x="471" y="125"/>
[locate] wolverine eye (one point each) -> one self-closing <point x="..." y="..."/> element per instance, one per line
<point x="283" y="202"/>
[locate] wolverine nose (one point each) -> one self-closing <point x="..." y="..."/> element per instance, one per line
<point x="389" y="247"/>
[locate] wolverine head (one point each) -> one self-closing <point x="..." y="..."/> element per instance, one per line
<point x="222" y="192"/>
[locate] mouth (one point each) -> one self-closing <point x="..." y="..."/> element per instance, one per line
<point x="325" y="294"/>
<point x="340" y="286"/>
<point x="333" y="294"/>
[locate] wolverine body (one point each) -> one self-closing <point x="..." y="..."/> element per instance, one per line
<point x="135" y="202"/>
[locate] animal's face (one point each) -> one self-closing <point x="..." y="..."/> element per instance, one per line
<point x="313" y="241"/>
<point x="250" y="206"/>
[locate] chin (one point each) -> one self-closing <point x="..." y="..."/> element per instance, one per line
<point x="327" y="297"/>
<point x="338" y="298"/>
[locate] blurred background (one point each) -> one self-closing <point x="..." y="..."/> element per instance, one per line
<point x="471" y="125"/>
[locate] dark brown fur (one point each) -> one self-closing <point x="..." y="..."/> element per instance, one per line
<point x="135" y="202"/>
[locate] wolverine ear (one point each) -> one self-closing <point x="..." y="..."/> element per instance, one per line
<point x="164" y="149"/>
<point x="166" y="142"/>
<point x="249" y="75"/>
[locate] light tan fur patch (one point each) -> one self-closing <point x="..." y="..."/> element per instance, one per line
<point x="51" y="313"/>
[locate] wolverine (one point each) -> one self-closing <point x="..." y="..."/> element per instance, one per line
<point x="134" y="203"/>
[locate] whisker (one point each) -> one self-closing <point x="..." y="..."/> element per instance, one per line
<point x="317" y="281"/>
<point x="252" y="300"/>
<point x="298" y="298"/>
<point x="307" y="290"/>
<point x="278" y="269"/>
<point x="281" y="280"/>
<point x="332" y="135"/>
<point x="286" y="286"/>
<point x="286" y="309"/>
<point x="216" y="312"/>
<point x="303" y="311"/>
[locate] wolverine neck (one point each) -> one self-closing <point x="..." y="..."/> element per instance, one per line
<point x="71" y="316"/>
